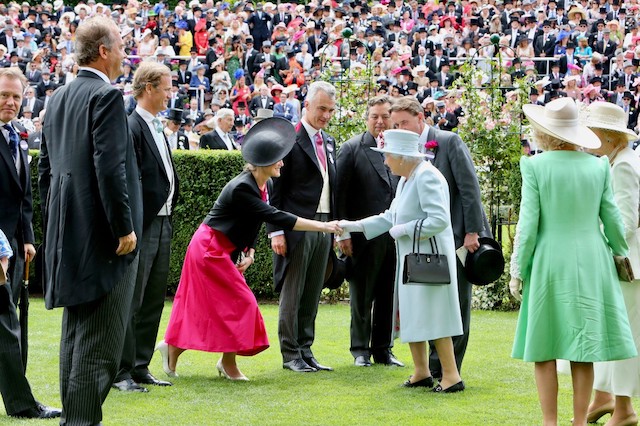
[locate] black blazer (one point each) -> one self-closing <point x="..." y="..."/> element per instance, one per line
<point x="212" y="140"/>
<point x="239" y="212"/>
<point x="365" y="186"/>
<point x="256" y="103"/>
<point x="298" y="190"/>
<point x="15" y="195"/>
<point x="91" y="191"/>
<point x="155" y="183"/>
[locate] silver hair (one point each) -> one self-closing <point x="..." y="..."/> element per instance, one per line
<point x="405" y="158"/>
<point x="320" y="86"/>
<point x="223" y="112"/>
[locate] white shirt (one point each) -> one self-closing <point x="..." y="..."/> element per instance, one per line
<point x="164" y="154"/>
<point x="225" y="138"/>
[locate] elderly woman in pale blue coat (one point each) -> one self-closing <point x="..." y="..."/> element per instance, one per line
<point x="424" y="312"/>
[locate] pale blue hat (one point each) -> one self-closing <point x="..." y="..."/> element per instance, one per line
<point x="400" y="142"/>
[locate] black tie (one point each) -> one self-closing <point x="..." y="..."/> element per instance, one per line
<point x="14" y="140"/>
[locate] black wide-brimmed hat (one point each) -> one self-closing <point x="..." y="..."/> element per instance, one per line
<point x="268" y="141"/>
<point x="486" y="264"/>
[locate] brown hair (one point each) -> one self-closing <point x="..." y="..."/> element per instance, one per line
<point x="378" y="100"/>
<point x="93" y="33"/>
<point x="148" y="73"/>
<point x="408" y="104"/>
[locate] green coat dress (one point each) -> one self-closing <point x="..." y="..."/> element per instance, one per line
<point x="572" y="306"/>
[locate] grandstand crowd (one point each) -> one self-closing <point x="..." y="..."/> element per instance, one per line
<point x="230" y="60"/>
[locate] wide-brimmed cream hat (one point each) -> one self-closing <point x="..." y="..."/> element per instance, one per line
<point x="559" y="118"/>
<point x="607" y="116"/>
<point x="400" y="142"/>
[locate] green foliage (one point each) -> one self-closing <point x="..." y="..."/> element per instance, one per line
<point x="354" y="88"/>
<point x="491" y="127"/>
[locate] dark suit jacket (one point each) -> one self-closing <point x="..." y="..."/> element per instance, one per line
<point x="451" y="121"/>
<point x="36" y="78"/>
<point x="256" y="103"/>
<point x="211" y="140"/>
<point x="34" y="140"/>
<point x="454" y="161"/>
<point x="239" y="212"/>
<point x="155" y="183"/>
<point x="90" y="180"/>
<point x="37" y="107"/>
<point x="179" y="102"/>
<point x="360" y="167"/>
<point x="15" y="195"/>
<point x="183" y="141"/>
<point x="186" y="79"/>
<point x="258" y="25"/>
<point x="298" y="190"/>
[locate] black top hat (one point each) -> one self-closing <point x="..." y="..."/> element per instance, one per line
<point x="603" y="10"/>
<point x="583" y="22"/>
<point x="268" y="141"/>
<point x="337" y="270"/>
<point x="628" y="95"/>
<point x="175" y="114"/>
<point x="570" y="45"/>
<point x="597" y="66"/>
<point x="411" y="85"/>
<point x="516" y="61"/>
<point x="533" y="91"/>
<point x="486" y="264"/>
<point x="595" y="80"/>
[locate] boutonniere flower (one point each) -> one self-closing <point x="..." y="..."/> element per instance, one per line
<point x="431" y="145"/>
<point x="24" y="135"/>
<point x="430" y="149"/>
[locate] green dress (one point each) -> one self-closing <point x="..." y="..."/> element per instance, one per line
<point x="572" y="305"/>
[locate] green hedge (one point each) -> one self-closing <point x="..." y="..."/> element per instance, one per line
<point x="202" y="175"/>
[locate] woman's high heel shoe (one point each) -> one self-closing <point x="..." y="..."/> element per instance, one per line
<point x="594" y="416"/>
<point x="163" y="348"/>
<point x="222" y="372"/>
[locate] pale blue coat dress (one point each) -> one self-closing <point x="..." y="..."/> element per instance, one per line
<point x="421" y="312"/>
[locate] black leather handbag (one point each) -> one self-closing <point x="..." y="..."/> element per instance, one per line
<point x="425" y="268"/>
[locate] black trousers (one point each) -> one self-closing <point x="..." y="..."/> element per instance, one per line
<point x="371" y="296"/>
<point x="148" y="299"/>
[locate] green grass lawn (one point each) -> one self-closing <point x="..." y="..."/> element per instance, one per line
<point x="500" y="390"/>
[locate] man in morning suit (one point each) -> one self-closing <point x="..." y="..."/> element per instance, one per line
<point x="151" y="89"/>
<point x="90" y="179"/>
<point x="219" y="137"/>
<point x="453" y="160"/>
<point x="305" y="188"/>
<point x="15" y="222"/>
<point x="366" y="187"/>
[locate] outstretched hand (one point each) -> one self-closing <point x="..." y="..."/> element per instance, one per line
<point x="333" y="227"/>
<point x="515" y="285"/>
<point x="351" y="226"/>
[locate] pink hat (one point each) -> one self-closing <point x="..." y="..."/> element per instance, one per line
<point x="587" y="90"/>
<point x="298" y="35"/>
<point x="573" y="67"/>
<point x="405" y="57"/>
<point x="276" y="87"/>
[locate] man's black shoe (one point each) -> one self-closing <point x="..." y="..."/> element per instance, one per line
<point x="299" y="366"/>
<point x="128" y="385"/>
<point x="315" y="364"/>
<point x="39" y="412"/>
<point x="149" y="379"/>
<point x="362" y="361"/>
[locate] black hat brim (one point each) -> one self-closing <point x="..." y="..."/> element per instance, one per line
<point x="486" y="264"/>
<point x="268" y="141"/>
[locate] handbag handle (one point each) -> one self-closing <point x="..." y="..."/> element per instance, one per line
<point x="417" y="230"/>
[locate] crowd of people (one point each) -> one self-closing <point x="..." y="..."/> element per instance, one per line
<point x="244" y="56"/>
<point x="245" y="76"/>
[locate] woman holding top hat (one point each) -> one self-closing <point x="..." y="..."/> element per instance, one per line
<point x="620" y="378"/>
<point x="572" y="307"/>
<point x="214" y="310"/>
<point x="423" y="312"/>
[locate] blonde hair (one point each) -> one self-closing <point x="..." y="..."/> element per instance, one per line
<point x="148" y="73"/>
<point x="548" y="142"/>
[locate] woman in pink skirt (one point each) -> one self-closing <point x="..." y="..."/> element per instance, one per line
<point x="214" y="310"/>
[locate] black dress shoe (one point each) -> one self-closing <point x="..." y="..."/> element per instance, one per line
<point x="39" y="412"/>
<point x="388" y="359"/>
<point x="362" y="361"/>
<point x="315" y="364"/>
<point x="427" y="382"/>
<point x="458" y="387"/>
<point x="149" y="379"/>
<point x="299" y="366"/>
<point x="128" y="385"/>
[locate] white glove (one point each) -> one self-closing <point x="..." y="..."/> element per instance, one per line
<point x="351" y="226"/>
<point x="397" y="231"/>
<point x="515" y="285"/>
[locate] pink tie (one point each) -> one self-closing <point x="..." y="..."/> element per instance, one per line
<point x="320" y="151"/>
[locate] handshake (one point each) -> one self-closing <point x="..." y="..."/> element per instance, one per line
<point x="396" y="231"/>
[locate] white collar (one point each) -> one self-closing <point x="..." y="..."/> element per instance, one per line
<point x="97" y="72"/>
